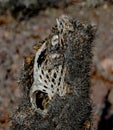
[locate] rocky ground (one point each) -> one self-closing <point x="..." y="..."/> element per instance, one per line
<point x="17" y="39"/>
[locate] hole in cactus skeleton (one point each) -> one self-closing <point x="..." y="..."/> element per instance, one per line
<point x="41" y="99"/>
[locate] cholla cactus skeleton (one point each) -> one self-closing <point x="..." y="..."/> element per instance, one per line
<point x="49" y="78"/>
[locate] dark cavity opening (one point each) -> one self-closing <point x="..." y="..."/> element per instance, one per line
<point x="52" y="86"/>
<point x="41" y="99"/>
<point x="58" y="83"/>
<point x="106" y="119"/>
<point x="41" y="76"/>
<point x="45" y="86"/>
<point x="54" y="75"/>
<point x="41" y="58"/>
<point x="60" y="79"/>
<point x="47" y="76"/>
<point x="42" y="71"/>
<point x="53" y="80"/>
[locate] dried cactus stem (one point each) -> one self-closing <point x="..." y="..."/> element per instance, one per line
<point x="58" y="96"/>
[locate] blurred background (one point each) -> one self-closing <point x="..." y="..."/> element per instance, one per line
<point x="24" y="23"/>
